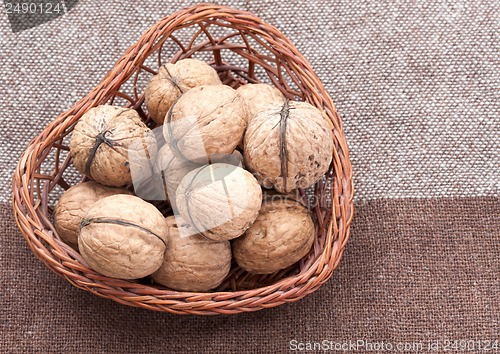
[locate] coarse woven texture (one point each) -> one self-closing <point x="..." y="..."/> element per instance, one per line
<point x="416" y="82"/>
<point x="415" y="270"/>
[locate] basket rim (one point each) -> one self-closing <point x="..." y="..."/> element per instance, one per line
<point x="287" y="289"/>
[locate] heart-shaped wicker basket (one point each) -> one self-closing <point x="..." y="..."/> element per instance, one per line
<point x="242" y="48"/>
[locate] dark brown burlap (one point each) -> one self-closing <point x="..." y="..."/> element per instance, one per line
<point x="416" y="270"/>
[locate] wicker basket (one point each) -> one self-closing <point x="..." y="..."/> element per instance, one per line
<point x="242" y="49"/>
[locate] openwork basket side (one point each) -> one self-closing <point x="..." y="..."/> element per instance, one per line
<point x="243" y="49"/>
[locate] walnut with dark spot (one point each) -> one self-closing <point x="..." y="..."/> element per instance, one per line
<point x="288" y="145"/>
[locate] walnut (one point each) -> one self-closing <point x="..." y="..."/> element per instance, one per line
<point x="205" y="123"/>
<point x="281" y="235"/>
<point x="110" y="143"/>
<point x="124" y="237"/>
<point x="258" y="96"/>
<point x="235" y="159"/>
<point x="192" y="262"/>
<point x="271" y="195"/>
<point x="74" y="204"/>
<point x="172" y="169"/>
<point x="288" y="145"/>
<point x="220" y="200"/>
<point x="172" y="81"/>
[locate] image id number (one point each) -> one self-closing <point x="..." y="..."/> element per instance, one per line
<point x="33" y="8"/>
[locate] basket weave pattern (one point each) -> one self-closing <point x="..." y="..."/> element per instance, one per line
<point x="242" y="49"/>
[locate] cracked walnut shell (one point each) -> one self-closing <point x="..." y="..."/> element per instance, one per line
<point x="110" y="144"/>
<point x="172" y="81"/>
<point x="192" y="262"/>
<point x="124" y="237"/>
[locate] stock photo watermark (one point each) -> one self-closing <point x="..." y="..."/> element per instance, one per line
<point x="212" y="173"/>
<point x="26" y="14"/>
<point x="365" y="345"/>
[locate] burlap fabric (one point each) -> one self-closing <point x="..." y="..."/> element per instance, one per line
<point x="417" y="86"/>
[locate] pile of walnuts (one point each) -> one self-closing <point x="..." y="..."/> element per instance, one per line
<point x="214" y="158"/>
